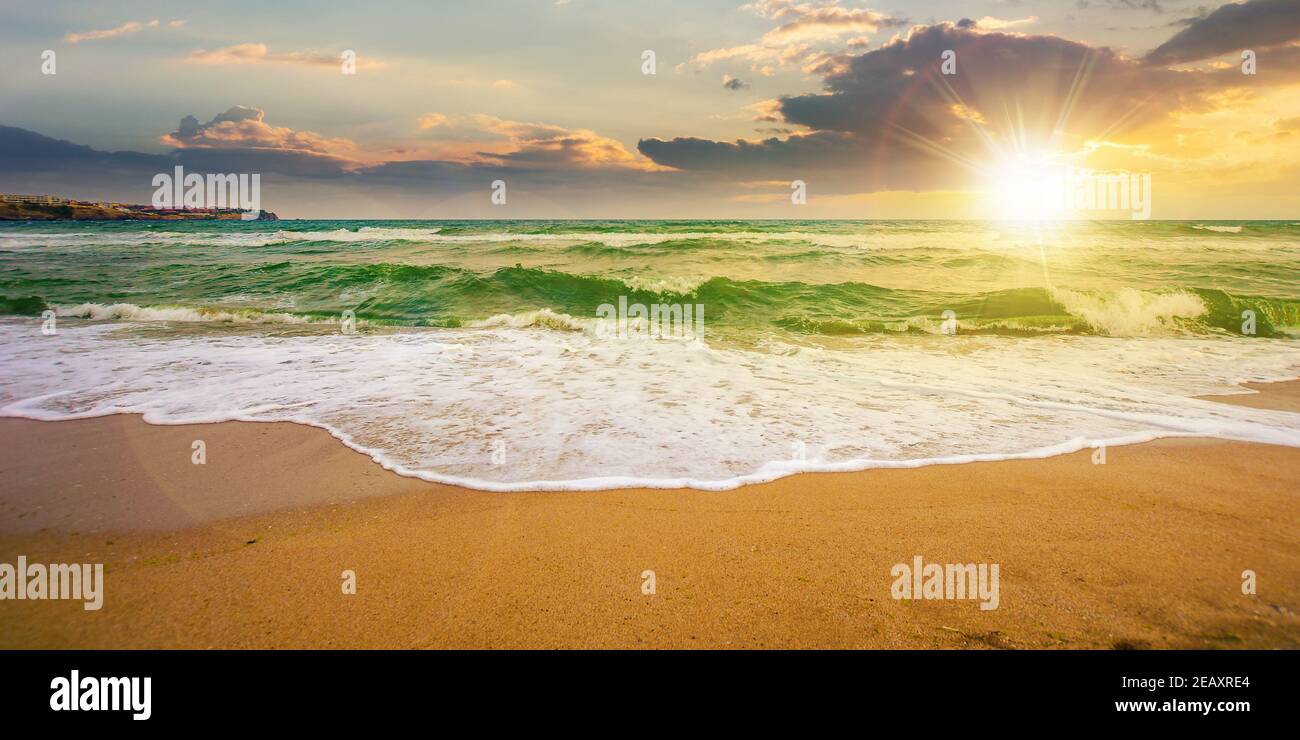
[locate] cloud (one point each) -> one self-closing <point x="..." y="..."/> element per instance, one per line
<point x="545" y="145"/>
<point x="805" y="36"/>
<point x="806" y="22"/>
<point x="990" y="23"/>
<point x="470" y="82"/>
<point x="766" y="111"/>
<point x="733" y="83"/>
<point x="1151" y="5"/>
<point x="433" y="120"/>
<point x="64" y="167"/>
<point x="22" y="150"/>
<point x="1288" y="124"/>
<point x="884" y="120"/>
<point x="561" y="167"/>
<point x="242" y="127"/>
<point x="257" y="53"/>
<point x="888" y="119"/>
<point x="485" y="140"/>
<point x="126" y="28"/>
<point x="1256" y="24"/>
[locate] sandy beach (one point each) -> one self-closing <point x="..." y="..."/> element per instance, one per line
<point x="248" y="550"/>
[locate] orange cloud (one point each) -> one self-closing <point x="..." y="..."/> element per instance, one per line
<point x="242" y="127"/>
<point x="989" y="23"/>
<point x="805" y="26"/>
<point x="126" y="28"/>
<point x="543" y="144"/>
<point x="434" y="120"/>
<point x="486" y="139"/>
<point x="258" y="53"/>
<point x="811" y="22"/>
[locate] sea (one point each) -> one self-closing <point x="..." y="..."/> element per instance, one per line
<point x="480" y="353"/>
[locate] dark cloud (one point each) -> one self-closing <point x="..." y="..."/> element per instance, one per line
<point x="889" y="118"/>
<point x="733" y="83"/>
<point x="892" y="112"/>
<point x="836" y="161"/>
<point x="536" y="157"/>
<point x="23" y="150"/>
<point x="1201" y="11"/>
<point x="1256" y="24"/>
<point x="1151" y="5"/>
<point x="302" y="184"/>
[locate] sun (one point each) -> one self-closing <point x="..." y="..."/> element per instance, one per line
<point x="1027" y="188"/>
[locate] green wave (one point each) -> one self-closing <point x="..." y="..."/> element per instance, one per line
<point x="441" y="295"/>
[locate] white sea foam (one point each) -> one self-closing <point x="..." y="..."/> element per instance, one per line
<point x="132" y="312"/>
<point x="575" y="412"/>
<point x="424" y="235"/>
<point x="543" y="317"/>
<point x="1131" y="313"/>
<point x="955" y="236"/>
<point x="679" y="285"/>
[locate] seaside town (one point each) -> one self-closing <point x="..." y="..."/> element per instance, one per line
<point x="14" y="207"/>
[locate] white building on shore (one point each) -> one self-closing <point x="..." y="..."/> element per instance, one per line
<point x="45" y="200"/>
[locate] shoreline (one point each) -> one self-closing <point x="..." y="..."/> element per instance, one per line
<point x="1278" y="395"/>
<point x="247" y="550"/>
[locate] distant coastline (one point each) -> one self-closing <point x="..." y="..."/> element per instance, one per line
<point x="54" y="208"/>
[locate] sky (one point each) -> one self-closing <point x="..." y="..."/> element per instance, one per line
<point x="552" y="97"/>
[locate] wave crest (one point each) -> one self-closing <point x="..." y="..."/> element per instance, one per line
<point x="132" y="312"/>
<point x="1131" y="313"/>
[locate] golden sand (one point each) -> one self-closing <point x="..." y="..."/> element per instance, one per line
<point x="248" y="550"/>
